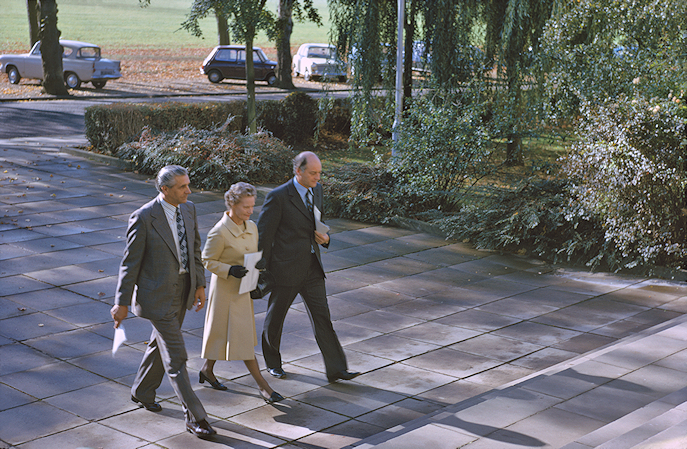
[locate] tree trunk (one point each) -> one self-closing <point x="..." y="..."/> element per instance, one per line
<point x="34" y="13"/>
<point x="250" y="84"/>
<point x="408" y="51"/>
<point x="514" y="156"/>
<point x="283" y="43"/>
<point x="51" y="50"/>
<point x="222" y="29"/>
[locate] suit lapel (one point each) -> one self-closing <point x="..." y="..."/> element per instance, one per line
<point x="161" y="225"/>
<point x="297" y="200"/>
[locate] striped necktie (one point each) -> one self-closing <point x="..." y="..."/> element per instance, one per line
<point x="181" y="232"/>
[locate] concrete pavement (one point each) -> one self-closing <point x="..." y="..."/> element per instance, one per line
<point x="458" y="347"/>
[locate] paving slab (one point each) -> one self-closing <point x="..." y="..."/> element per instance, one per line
<point x="439" y="330"/>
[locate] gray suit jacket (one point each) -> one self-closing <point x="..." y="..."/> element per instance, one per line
<point x="149" y="272"/>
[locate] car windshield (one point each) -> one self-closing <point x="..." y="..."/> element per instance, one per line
<point x="321" y="52"/>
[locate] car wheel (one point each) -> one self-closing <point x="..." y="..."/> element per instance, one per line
<point x="13" y="75"/>
<point x="306" y="74"/>
<point x="98" y="84"/>
<point x="215" y="76"/>
<point x="342" y="79"/>
<point x="72" y="80"/>
<point x="271" y="79"/>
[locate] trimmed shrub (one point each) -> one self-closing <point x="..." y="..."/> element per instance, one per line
<point x="214" y="159"/>
<point x="109" y="126"/>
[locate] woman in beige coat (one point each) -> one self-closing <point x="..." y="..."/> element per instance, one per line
<point x="229" y="332"/>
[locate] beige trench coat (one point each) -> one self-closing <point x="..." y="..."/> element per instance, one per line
<point x="229" y="332"/>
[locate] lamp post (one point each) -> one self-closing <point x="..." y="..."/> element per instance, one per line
<point x="399" y="75"/>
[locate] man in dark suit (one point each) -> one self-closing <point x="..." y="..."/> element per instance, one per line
<point x="162" y="275"/>
<point x="291" y="250"/>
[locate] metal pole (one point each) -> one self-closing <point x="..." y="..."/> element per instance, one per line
<point x="399" y="74"/>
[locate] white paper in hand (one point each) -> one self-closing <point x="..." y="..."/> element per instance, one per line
<point x="250" y="280"/>
<point x="119" y="338"/>
<point x="319" y="226"/>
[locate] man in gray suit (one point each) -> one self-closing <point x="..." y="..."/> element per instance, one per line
<point x="161" y="276"/>
<point x="291" y="252"/>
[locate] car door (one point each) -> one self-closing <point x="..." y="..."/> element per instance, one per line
<point x="225" y="61"/>
<point x="33" y="64"/>
<point x="259" y="65"/>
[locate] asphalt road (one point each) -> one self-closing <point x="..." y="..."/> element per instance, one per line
<point x="66" y="117"/>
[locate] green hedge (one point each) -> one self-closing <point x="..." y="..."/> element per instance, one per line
<point x="109" y="126"/>
<point x="292" y="119"/>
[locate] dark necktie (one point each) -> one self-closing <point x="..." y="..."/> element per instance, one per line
<point x="181" y="232"/>
<point x="308" y="200"/>
<point x="309" y="205"/>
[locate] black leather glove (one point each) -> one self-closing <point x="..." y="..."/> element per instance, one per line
<point x="238" y="271"/>
<point x="262" y="264"/>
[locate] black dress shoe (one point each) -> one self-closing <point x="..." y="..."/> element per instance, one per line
<point x="274" y="397"/>
<point x="150" y="406"/>
<point x="343" y="375"/>
<point x="277" y="372"/>
<point x="216" y="384"/>
<point x="201" y="429"/>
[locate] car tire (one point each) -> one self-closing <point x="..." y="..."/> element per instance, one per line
<point x="215" y="76"/>
<point x="306" y="74"/>
<point x="294" y="72"/>
<point x="72" y="80"/>
<point x="13" y="75"/>
<point x="342" y="79"/>
<point x="271" y="79"/>
<point x="98" y="84"/>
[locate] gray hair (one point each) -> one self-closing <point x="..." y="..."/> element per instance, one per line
<point x="237" y="192"/>
<point x="301" y="161"/>
<point x="167" y="176"/>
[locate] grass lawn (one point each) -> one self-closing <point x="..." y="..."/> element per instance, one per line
<point x="118" y="24"/>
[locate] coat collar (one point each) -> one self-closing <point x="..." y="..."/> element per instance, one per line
<point x="236" y="230"/>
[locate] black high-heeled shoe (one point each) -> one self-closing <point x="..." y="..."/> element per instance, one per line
<point x="274" y="397"/>
<point x="216" y="384"/>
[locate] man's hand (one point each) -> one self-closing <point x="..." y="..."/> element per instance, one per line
<point x="118" y="314"/>
<point x="261" y="264"/>
<point x="321" y="239"/>
<point x="200" y="298"/>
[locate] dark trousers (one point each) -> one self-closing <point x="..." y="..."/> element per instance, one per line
<point x="315" y="298"/>
<point x="166" y="352"/>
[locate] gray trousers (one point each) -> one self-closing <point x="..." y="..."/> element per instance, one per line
<point x="166" y="352"/>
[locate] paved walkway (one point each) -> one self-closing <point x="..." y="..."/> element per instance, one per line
<point x="457" y="346"/>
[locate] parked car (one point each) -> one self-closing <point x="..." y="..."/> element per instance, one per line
<point x="81" y="63"/>
<point x="229" y="62"/>
<point x="318" y="61"/>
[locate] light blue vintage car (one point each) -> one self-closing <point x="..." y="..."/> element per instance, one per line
<point x="81" y="63"/>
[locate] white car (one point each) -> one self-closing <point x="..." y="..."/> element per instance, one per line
<point x="81" y="62"/>
<point x="314" y="61"/>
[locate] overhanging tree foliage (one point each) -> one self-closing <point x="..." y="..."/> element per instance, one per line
<point x="247" y="17"/>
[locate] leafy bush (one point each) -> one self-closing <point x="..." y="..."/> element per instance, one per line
<point x="370" y="193"/>
<point x="628" y="173"/>
<point x="214" y="159"/>
<point x="443" y="144"/>
<point x="291" y="119"/>
<point x="532" y="216"/>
